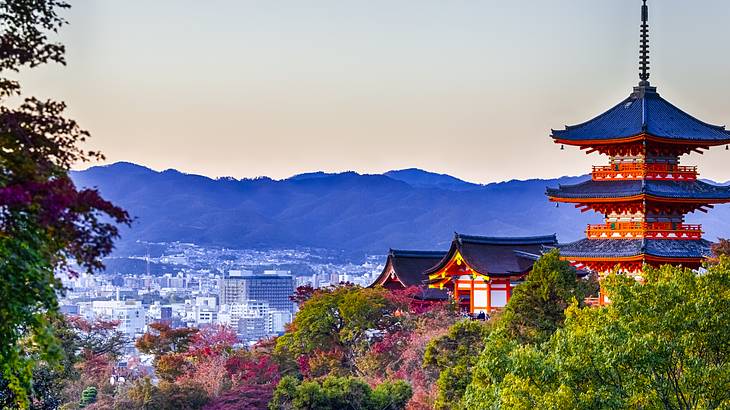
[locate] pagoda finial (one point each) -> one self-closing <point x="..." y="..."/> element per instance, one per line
<point x="644" y="46"/>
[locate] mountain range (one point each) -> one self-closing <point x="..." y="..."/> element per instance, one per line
<point x="405" y="209"/>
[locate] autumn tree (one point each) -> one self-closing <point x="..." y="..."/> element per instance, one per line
<point x="168" y="346"/>
<point x="45" y="221"/>
<point x="721" y="248"/>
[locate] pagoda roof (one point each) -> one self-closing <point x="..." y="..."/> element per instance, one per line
<point x="644" y="112"/>
<point x="496" y="256"/>
<point x="626" y="248"/>
<point x="630" y="188"/>
<point x="408" y="266"/>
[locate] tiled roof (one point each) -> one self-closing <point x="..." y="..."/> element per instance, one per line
<point x="623" y="248"/>
<point x="410" y="265"/>
<point x="496" y="256"/>
<point x="629" y="188"/>
<point x="644" y="111"/>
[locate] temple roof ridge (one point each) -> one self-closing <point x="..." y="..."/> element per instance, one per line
<point x="507" y="240"/>
<point x="407" y="253"/>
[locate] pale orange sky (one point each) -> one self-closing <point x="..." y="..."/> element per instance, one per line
<point x="250" y="88"/>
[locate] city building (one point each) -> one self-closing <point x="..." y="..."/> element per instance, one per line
<point x="129" y="313"/>
<point x="273" y="287"/>
<point x="644" y="192"/>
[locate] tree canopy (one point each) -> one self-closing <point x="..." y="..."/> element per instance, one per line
<point x="661" y="344"/>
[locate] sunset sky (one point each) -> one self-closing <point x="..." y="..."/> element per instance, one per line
<point x="470" y="88"/>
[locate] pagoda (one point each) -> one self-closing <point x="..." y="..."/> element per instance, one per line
<point x="644" y="192"/>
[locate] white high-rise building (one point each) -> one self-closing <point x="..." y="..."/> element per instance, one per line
<point x="129" y="313"/>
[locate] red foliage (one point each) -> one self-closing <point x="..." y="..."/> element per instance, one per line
<point x="212" y="340"/>
<point x="243" y="397"/>
<point x="302" y="294"/>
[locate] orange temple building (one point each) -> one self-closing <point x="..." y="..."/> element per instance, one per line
<point x="480" y="272"/>
<point x="644" y="191"/>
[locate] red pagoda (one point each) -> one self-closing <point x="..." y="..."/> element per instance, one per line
<point x="644" y="191"/>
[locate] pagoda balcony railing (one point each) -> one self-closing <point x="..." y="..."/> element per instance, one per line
<point x="644" y="230"/>
<point x="645" y="171"/>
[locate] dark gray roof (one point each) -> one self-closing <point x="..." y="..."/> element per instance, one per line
<point x="410" y="265"/>
<point x="497" y="256"/>
<point x="628" y="188"/>
<point x="644" y="111"/>
<point x="432" y="294"/>
<point x="624" y="248"/>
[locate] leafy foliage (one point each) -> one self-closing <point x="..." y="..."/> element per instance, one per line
<point x="339" y="393"/>
<point x="336" y="325"/>
<point x="88" y="396"/>
<point x="536" y="308"/>
<point x="44" y="220"/>
<point x="454" y="355"/>
<point x="658" y="345"/>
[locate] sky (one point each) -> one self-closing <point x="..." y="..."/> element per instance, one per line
<point x="470" y="88"/>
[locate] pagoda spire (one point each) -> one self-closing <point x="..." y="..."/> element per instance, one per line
<point x="644" y="47"/>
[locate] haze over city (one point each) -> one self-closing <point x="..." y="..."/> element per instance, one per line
<point x="243" y="88"/>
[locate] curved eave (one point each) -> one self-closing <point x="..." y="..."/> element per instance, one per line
<point x="384" y="276"/>
<point x="635" y="258"/>
<point x="641" y="197"/>
<point x="639" y="138"/>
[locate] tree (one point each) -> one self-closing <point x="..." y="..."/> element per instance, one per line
<point x="88" y="396"/>
<point x="168" y="346"/>
<point x="658" y="345"/>
<point x="339" y="393"/>
<point x="45" y="222"/>
<point x="536" y="308"/>
<point x="454" y="355"/>
<point x="334" y="326"/>
<point x="721" y="248"/>
<point x="144" y="395"/>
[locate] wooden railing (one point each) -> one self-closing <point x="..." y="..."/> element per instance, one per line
<point x="645" y="171"/>
<point x="646" y="230"/>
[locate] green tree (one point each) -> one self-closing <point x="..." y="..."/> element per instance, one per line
<point x="88" y="396"/>
<point x="536" y="308"/>
<point x="334" y="393"/>
<point x="453" y="356"/>
<point x="659" y="345"/>
<point x="44" y="220"/>
<point x="336" y="325"/>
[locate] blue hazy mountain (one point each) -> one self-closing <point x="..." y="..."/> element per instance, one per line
<point x="410" y="209"/>
<point x="419" y="178"/>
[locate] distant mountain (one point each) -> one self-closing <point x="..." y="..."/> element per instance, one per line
<point x="423" y="179"/>
<point x="411" y="209"/>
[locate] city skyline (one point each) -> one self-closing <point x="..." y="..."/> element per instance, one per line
<point x="467" y="89"/>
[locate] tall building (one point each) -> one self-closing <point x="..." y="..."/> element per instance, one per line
<point x="273" y="287"/>
<point x="129" y="313"/>
<point x="644" y="192"/>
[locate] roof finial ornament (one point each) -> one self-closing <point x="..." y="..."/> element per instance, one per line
<point x="644" y="47"/>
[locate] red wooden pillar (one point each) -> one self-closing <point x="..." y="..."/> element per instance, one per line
<point x="489" y="295"/>
<point x="471" y="296"/>
<point x="509" y="289"/>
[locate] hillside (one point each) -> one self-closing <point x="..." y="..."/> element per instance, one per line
<point x="399" y="209"/>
